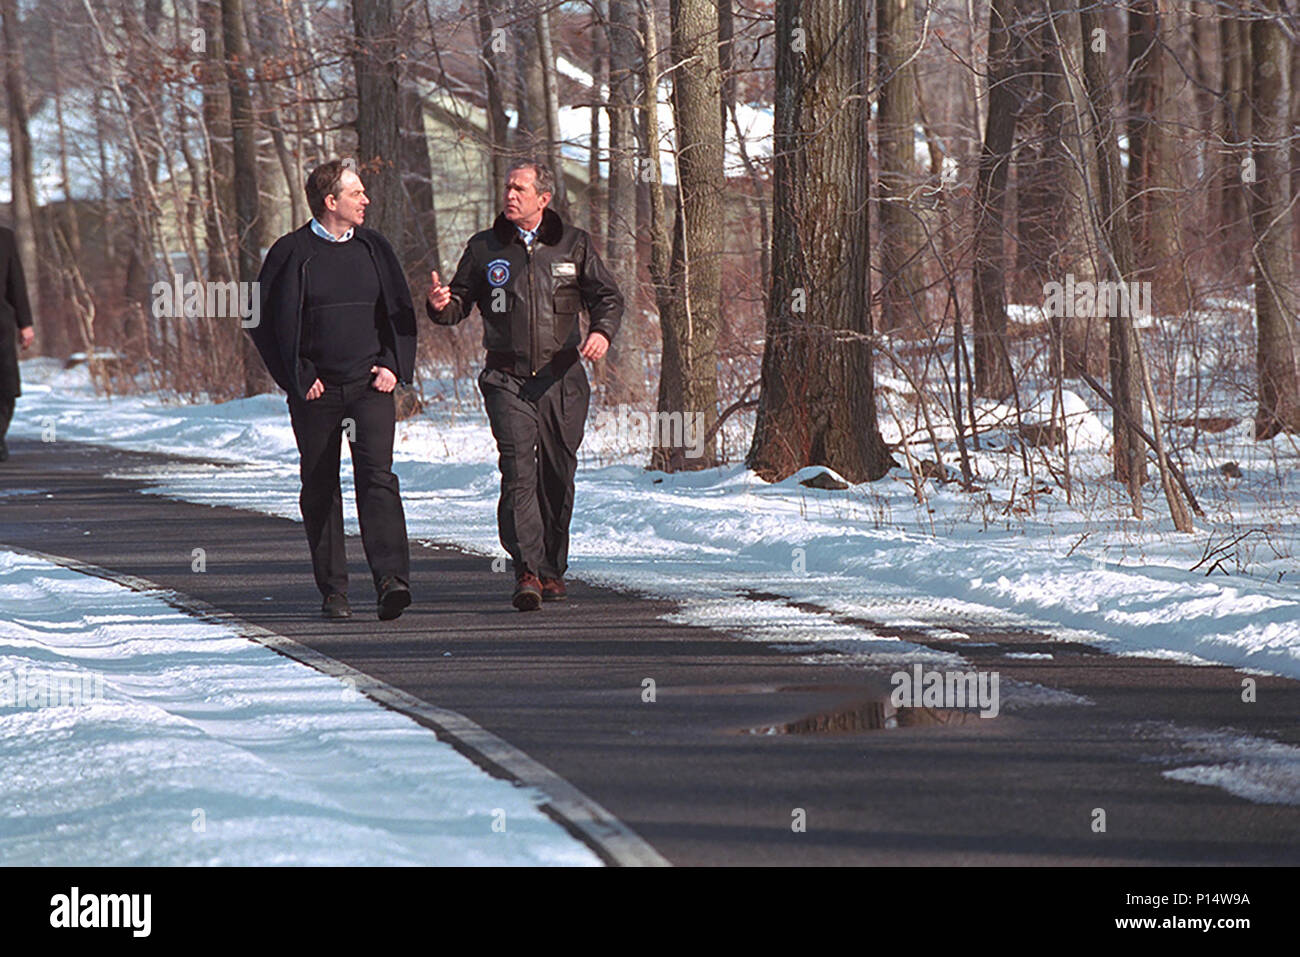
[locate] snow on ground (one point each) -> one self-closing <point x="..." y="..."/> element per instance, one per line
<point x="1013" y="553"/>
<point x="132" y="734"/>
<point x="1009" y="555"/>
<point x="1259" y="770"/>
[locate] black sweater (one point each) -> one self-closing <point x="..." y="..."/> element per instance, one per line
<point x="342" y="323"/>
<point x="278" y="332"/>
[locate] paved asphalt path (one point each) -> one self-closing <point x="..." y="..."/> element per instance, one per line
<point x="685" y="772"/>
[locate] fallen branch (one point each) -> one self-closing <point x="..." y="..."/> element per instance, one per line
<point x="1098" y="388"/>
<point x="1221" y="551"/>
<point x="744" y="402"/>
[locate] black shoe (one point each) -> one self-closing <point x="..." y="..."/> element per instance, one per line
<point x="336" y="606"/>
<point x="393" y="597"/>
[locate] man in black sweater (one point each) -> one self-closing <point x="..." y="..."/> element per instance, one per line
<point x="337" y="333"/>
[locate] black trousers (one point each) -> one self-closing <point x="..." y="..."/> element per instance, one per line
<point x="6" y="414"/>
<point x="367" y="415"/>
<point x="538" y="424"/>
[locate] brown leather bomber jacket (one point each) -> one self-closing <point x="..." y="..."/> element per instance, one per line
<point x="530" y="302"/>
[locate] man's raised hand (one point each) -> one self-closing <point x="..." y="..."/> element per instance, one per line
<point x="439" y="295"/>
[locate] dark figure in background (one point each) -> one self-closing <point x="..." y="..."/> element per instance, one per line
<point x="337" y="333"/>
<point x="15" y="328"/>
<point x="530" y="275"/>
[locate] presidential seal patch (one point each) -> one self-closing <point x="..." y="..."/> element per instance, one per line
<point x="498" y="272"/>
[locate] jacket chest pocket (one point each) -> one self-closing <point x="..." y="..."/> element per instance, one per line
<point x="565" y="305"/>
<point x="567" y="301"/>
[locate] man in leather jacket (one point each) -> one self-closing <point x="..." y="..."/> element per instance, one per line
<point x="531" y="275"/>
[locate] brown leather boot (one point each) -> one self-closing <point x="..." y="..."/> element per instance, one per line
<point x="553" y="589"/>
<point x="528" y="592"/>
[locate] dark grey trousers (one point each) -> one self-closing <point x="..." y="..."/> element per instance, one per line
<point x="538" y="424"/>
<point x="6" y="414"/>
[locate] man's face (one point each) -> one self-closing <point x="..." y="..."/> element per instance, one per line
<point x="350" y="204"/>
<point x="524" y="204"/>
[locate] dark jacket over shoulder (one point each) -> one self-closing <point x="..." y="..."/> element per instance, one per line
<point x="15" y="311"/>
<point x="530" y="304"/>
<point x="278" y="334"/>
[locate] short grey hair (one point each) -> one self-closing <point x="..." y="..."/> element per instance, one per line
<point x="545" y="182"/>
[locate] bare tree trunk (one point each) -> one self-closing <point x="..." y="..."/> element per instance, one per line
<point x="1234" y="46"/>
<point x="530" y="85"/>
<point x="1204" y="69"/>
<point x="600" y="70"/>
<point x="311" y="121"/>
<point x="902" y="292"/>
<point x="248" y="213"/>
<point x="1270" y="217"/>
<point x="1151" y="180"/>
<point x="1113" y="231"/>
<point x="625" y="359"/>
<point x="554" y="159"/>
<point x="66" y="231"/>
<point x="420" y="245"/>
<point x="726" y="39"/>
<point x="660" y="239"/>
<point x="491" y="52"/>
<point x="140" y="95"/>
<point x="73" y="232"/>
<point x="420" y="238"/>
<point x="1037" y="187"/>
<point x="379" y="148"/>
<point x="1082" y="345"/>
<point x="1066" y="180"/>
<point x="293" y="177"/>
<point x="818" y="405"/>
<point x="105" y="182"/>
<point x="1008" y="82"/>
<point x="1295" y="140"/>
<point x="219" y="194"/>
<point x="688" y="382"/>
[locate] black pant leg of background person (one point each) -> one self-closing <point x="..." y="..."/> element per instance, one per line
<point x="317" y="429"/>
<point x="6" y="414"/>
<point x="379" y="500"/>
<point x="515" y="427"/>
<point x="562" y="416"/>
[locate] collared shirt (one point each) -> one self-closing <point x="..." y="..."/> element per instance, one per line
<point x="529" y="235"/>
<point x="324" y="233"/>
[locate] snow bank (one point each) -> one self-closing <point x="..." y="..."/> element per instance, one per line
<point x="131" y="734"/>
